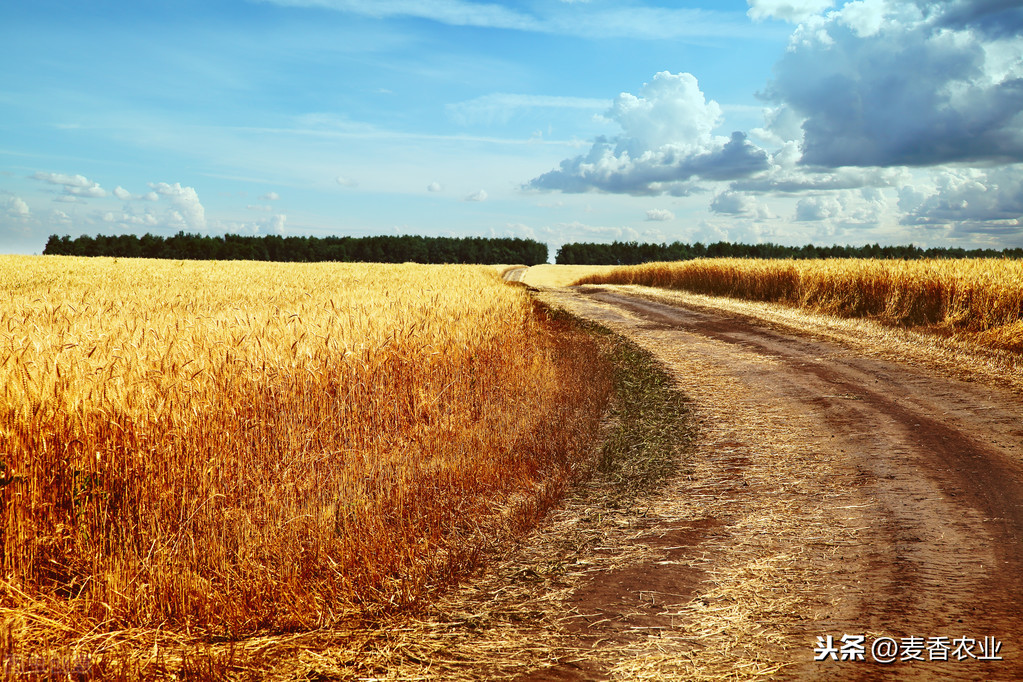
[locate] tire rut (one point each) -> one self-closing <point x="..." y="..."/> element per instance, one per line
<point x="933" y="470"/>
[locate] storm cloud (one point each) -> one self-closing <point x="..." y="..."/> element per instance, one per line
<point x="897" y="84"/>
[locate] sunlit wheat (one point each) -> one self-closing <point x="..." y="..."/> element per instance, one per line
<point x="982" y="298"/>
<point x="240" y="446"/>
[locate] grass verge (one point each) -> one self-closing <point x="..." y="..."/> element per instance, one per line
<point x="651" y="428"/>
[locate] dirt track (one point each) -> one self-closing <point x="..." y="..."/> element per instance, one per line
<point x="853" y="495"/>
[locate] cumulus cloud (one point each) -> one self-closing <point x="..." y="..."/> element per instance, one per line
<point x="434" y="187"/>
<point x="131" y="220"/>
<point x="882" y="83"/>
<point x="786" y="179"/>
<point x="278" y="224"/>
<point x="844" y="211"/>
<point x="659" y="215"/>
<point x="978" y="200"/>
<point x="189" y="212"/>
<point x="671" y="110"/>
<point x="270" y="196"/>
<point x="74" y="186"/>
<point x="818" y="208"/>
<point x="666" y="143"/>
<point x="733" y="203"/>
<point x="793" y="11"/>
<point x="121" y="193"/>
<point x="480" y="195"/>
<point x="16" y="208"/>
<point x="864" y="17"/>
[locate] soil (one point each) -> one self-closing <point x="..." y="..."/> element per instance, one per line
<point x="837" y="493"/>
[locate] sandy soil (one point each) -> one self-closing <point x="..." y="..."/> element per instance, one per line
<point x="833" y="493"/>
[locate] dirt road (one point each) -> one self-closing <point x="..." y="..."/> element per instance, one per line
<point x="514" y="274"/>
<point x="832" y="493"/>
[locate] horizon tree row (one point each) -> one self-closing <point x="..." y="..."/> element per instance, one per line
<point x="634" y="253"/>
<point x="382" y="249"/>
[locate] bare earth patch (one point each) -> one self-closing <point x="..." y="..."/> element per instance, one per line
<point x="853" y="495"/>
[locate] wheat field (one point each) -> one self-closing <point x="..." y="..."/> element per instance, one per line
<point x="229" y="447"/>
<point x="978" y="299"/>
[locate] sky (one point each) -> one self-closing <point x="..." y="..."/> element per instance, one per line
<point x="786" y="121"/>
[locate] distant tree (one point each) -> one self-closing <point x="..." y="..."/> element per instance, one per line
<point x="382" y="249"/>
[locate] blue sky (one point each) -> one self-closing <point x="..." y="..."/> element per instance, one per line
<point x="791" y="121"/>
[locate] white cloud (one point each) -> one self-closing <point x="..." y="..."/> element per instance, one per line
<point x="671" y="110"/>
<point x="63" y="179"/>
<point x="845" y="210"/>
<point x="976" y="200"/>
<point x="350" y="183"/>
<point x="189" y="211"/>
<point x="270" y="196"/>
<point x="121" y="193"/>
<point x="93" y="192"/>
<point x="666" y="142"/>
<point x="74" y="185"/>
<point x="16" y="208"/>
<point x="818" y="208"/>
<point x="793" y="11"/>
<point x="787" y="177"/>
<point x="515" y="230"/>
<point x="480" y="195"/>
<point x="277" y="224"/>
<point x="733" y="203"/>
<point x="434" y="187"/>
<point x="659" y="214"/>
<point x="864" y="17"/>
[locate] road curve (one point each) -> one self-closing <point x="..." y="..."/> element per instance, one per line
<point x="923" y="518"/>
<point x="514" y="274"/>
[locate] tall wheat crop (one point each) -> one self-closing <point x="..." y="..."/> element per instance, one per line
<point x="981" y="298"/>
<point x="239" y="446"/>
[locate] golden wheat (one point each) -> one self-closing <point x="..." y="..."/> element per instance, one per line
<point x="982" y="298"/>
<point x="242" y="446"/>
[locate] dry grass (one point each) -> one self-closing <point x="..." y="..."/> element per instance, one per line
<point x="223" y="449"/>
<point x="979" y="299"/>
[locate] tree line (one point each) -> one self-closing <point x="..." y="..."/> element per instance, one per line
<point x="383" y="249"/>
<point x="633" y="253"/>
